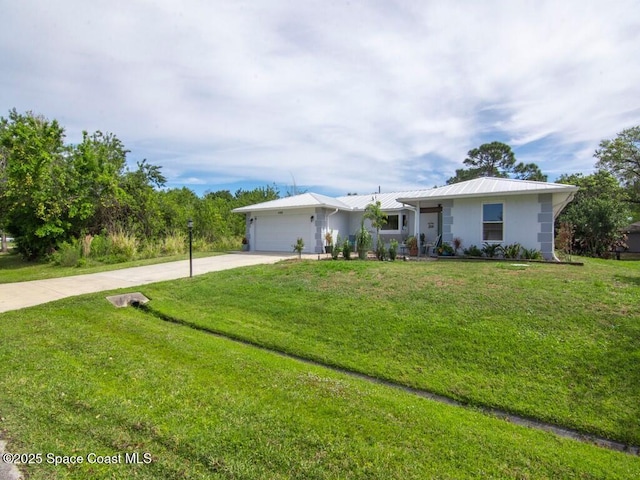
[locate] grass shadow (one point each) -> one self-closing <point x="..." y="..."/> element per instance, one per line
<point x="628" y="279"/>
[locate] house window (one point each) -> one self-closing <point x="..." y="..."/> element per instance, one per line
<point x="492" y="222"/>
<point x="393" y="223"/>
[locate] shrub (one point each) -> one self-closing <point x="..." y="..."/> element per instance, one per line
<point x="445" y="249"/>
<point x="491" y="249"/>
<point x="473" y="251"/>
<point x="564" y="239"/>
<point x="393" y="249"/>
<point x="512" y="250"/>
<point x="174" y="244"/>
<point x="531" y="254"/>
<point x="336" y="249"/>
<point x="299" y="246"/>
<point x="123" y="246"/>
<point x="86" y="245"/>
<point x="100" y="246"/>
<point x="150" y="250"/>
<point x="457" y="244"/>
<point x="346" y="249"/>
<point x="201" y="244"/>
<point x="381" y="252"/>
<point x="68" y="254"/>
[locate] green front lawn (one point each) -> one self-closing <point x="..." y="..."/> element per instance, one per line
<point x="79" y="377"/>
<point x="14" y="269"/>
<point x="557" y="343"/>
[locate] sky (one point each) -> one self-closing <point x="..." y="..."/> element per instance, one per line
<point x="333" y="97"/>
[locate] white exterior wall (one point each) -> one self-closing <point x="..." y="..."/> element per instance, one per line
<point x="277" y="231"/>
<point x="339" y="225"/>
<point x="520" y="220"/>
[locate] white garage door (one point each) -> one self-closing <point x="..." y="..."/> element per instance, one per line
<point x="277" y="233"/>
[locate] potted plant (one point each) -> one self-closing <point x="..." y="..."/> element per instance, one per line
<point x="412" y="244"/>
<point x="245" y="244"/>
<point x="328" y="238"/>
<point x="346" y="249"/>
<point x="445" y="250"/>
<point x="363" y="241"/>
<point x="423" y="243"/>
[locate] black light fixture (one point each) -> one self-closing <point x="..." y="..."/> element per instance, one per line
<point x="312" y="217"/>
<point x="250" y="221"/>
<point x="190" y="227"/>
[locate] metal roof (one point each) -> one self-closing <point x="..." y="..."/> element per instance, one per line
<point x="387" y="200"/>
<point x="486" y="186"/>
<point x="479" y="187"/>
<point x="296" y="201"/>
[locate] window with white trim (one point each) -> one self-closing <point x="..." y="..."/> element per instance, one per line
<point x="493" y="222"/>
<point x="393" y="223"/>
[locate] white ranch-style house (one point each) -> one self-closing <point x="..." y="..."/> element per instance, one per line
<point x="487" y="209"/>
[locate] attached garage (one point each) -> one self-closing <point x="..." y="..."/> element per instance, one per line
<point x="276" y="225"/>
<point x="278" y="231"/>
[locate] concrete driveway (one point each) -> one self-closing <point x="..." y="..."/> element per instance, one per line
<point x="14" y="296"/>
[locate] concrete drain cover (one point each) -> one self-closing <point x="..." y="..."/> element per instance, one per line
<point x="127" y="299"/>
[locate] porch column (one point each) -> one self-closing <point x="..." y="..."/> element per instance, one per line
<point x="418" y="228"/>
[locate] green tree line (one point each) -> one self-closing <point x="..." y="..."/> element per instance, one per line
<point x="53" y="193"/>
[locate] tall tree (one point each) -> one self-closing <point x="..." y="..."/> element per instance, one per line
<point x="493" y="159"/>
<point x="496" y="159"/>
<point x="597" y="213"/>
<point x="621" y="157"/>
<point x="35" y="182"/>
<point x="98" y="164"/>
<point x="528" y="171"/>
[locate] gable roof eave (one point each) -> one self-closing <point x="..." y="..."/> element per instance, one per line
<point x="296" y="202"/>
<point x="487" y="187"/>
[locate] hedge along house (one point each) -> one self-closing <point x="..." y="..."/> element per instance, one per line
<point x="487" y="209"/>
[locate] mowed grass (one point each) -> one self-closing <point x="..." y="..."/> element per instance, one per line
<point x="13" y="268"/>
<point x="79" y="376"/>
<point x="556" y="343"/>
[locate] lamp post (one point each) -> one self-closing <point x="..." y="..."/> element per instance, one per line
<point x="190" y="226"/>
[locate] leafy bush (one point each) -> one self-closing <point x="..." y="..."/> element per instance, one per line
<point x="150" y="250"/>
<point x="531" y="254"/>
<point x="393" y="249"/>
<point x="445" y="249"/>
<point x="201" y="244"/>
<point x="473" y="251"/>
<point x="335" y="252"/>
<point x="68" y="254"/>
<point x="511" y="250"/>
<point x="100" y="246"/>
<point x="491" y="249"/>
<point x="381" y="252"/>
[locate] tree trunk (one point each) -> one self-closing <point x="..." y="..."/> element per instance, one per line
<point x="5" y="247"/>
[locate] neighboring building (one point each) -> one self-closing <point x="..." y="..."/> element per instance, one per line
<point x="633" y="237"/>
<point x="487" y="209"/>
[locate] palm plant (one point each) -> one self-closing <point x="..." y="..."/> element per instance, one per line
<point x="378" y="218"/>
<point x="363" y="241"/>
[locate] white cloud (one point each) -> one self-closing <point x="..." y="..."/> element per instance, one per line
<point x="342" y="96"/>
